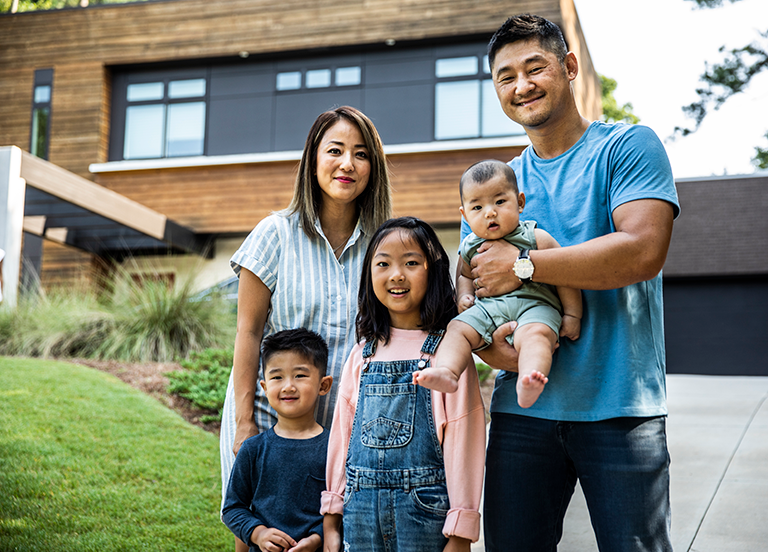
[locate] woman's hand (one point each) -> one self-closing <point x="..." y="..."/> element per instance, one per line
<point x="243" y="431"/>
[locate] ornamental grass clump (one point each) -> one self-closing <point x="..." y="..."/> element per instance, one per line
<point x="136" y="321"/>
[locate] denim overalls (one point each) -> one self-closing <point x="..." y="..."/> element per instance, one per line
<point x="396" y="498"/>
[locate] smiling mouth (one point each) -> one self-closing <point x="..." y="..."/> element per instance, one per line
<point x="398" y="291"/>
<point x="525" y="103"/>
<point x="344" y="179"/>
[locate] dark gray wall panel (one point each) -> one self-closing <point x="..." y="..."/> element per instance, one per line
<point x="239" y="125"/>
<point x="716" y="327"/>
<point x="297" y="111"/>
<point x="402" y="114"/>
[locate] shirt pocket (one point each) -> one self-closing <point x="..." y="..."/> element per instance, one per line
<point x="310" y="494"/>
<point x="388" y="415"/>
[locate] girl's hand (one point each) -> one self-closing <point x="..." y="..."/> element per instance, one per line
<point x="332" y="532"/>
<point x="500" y="354"/>
<point x="309" y="544"/>
<point x="571" y="327"/>
<point x="457" y="544"/>
<point x="270" y="539"/>
<point x="466" y="301"/>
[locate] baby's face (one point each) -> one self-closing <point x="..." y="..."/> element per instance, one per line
<point x="492" y="208"/>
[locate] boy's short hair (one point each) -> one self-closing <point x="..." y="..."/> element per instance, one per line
<point x="301" y="341"/>
<point x="483" y="171"/>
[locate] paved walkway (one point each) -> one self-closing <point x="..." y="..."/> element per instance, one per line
<point x="718" y="441"/>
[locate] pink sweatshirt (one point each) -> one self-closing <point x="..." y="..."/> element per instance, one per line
<point x="459" y="421"/>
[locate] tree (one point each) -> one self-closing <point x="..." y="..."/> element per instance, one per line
<point x="13" y="6"/>
<point x="612" y="111"/>
<point x="727" y="78"/>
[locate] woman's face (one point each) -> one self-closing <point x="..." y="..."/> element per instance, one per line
<point x="343" y="163"/>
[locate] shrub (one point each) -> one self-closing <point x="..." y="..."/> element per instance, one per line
<point x="204" y="379"/>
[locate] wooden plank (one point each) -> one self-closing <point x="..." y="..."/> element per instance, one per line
<point x="61" y="183"/>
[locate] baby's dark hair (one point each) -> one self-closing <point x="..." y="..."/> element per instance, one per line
<point x="482" y="171"/>
<point x="300" y="341"/>
<point x="439" y="304"/>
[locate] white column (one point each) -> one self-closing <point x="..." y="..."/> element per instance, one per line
<point x="12" y="188"/>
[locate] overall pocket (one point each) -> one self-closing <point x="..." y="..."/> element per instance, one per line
<point x="388" y="415"/>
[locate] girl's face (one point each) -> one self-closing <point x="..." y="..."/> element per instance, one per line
<point x="343" y="163"/>
<point x="399" y="278"/>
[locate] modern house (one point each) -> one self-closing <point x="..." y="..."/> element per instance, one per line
<point x="198" y="111"/>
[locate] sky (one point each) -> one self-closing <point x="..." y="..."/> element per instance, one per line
<point x="656" y="50"/>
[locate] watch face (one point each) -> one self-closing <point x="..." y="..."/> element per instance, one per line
<point x="523" y="269"/>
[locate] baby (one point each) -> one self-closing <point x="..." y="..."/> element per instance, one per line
<point x="491" y="204"/>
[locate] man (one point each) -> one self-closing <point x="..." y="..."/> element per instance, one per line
<point x="606" y="194"/>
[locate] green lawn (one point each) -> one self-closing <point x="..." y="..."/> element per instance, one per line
<point x="88" y="463"/>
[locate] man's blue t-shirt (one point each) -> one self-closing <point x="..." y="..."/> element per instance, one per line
<point x="617" y="366"/>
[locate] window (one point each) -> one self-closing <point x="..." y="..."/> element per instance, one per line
<point x="318" y="78"/>
<point x="165" y="119"/>
<point x="41" y="113"/>
<point x="465" y="101"/>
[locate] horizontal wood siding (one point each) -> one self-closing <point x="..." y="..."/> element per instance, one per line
<point x="232" y="199"/>
<point x="64" y="266"/>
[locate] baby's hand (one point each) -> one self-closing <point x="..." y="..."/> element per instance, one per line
<point x="466" y="301"/>
<point x="570" y="327"/>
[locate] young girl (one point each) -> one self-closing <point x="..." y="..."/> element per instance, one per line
<point x="405" y="464"/>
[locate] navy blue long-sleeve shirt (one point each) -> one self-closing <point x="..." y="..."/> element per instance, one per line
<point x="277" y="482"/>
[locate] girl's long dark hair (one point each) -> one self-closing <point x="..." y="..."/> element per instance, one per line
<point x="439" y="304"/>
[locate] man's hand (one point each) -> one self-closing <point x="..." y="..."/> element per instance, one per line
<point x="500" y="354"/>
<point x="270" y="539"/>
<point x="492" y="268"/>
<point x="465" y="301"/>
<point x="309" y="544"/>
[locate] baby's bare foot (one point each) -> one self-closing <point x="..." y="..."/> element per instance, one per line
<point x="529" y="387"/>
<point x="439" y="379"/>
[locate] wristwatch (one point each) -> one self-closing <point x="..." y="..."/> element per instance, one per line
<point x="523" y="267"/>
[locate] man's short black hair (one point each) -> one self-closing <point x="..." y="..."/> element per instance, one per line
<point x="301" y="341"/>
<point x="526" y="26"/>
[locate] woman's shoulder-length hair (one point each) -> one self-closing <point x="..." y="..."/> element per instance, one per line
<point x="374" y="204"/>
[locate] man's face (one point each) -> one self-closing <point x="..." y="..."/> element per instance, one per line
<point x="531" y="83"/>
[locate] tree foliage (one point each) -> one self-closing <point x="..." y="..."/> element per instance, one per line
<point x="727" y="78"/>
<point x="14" y="6"/>
<point x="612" y="111"/>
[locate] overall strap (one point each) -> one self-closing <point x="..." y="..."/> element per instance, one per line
<point x="432" y="341"/>
<point x="369" y="349"/>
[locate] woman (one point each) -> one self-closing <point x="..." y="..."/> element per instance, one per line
<point x="301" y="267"/>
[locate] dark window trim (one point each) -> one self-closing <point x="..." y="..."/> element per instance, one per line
<point x="43" y="77"/>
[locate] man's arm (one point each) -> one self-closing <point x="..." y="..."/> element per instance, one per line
<point x="635" y="252"/>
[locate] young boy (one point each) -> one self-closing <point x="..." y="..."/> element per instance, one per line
<point x="273" y="498"/>
<point x="491" y="204"/>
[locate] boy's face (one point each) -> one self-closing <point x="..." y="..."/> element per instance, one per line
<point x="292" y="384"/>
<point x="492" y="208"/>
